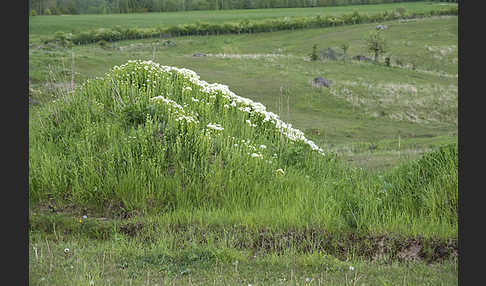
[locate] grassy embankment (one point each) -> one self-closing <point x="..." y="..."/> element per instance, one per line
<point x="374" y="116"/>
<point x="196" y="159"/>
<point x="152" y="221"/>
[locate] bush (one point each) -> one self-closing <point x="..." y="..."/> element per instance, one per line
<point x="245" y="26"/>
<point x="314" y="55"/>
<point x="65" y="39"/>
<point x="376" y="43"/>
<point x="47" y="11"/>
<point x="33" y="13"/>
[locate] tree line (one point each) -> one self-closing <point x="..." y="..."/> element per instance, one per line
<point x="117" y="33"/>
<point x="59" y="7"/>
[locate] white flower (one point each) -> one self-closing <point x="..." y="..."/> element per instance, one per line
<point x="351" y="268"/>
<point x="85" y="216"/>
<point x="215" y="126"/>
<point x="187" y="88"/>
<point x="195" y="99"/>
<point x="307" y="280"/>
<point x="251" y="124"/>
<point x="91" y="282"/>
<point x="256" y="155"/>
<point x="263" y="146"/>
<point x="66" y="250"/>
<point x="225" y="92"/>
<point x="280" y="171"/>
<point x="245" y="109"/>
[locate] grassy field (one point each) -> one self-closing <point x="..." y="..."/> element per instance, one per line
<point x="380" y="208"/>
<point x="42" y="26"/>
<point x="366" y="111"/>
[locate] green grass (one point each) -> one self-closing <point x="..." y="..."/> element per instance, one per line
<point x="164" y="207"/>
<point x="110" y="143"/>
<point x="351" y="124"/>
<point x="42" y="26"/>
<point x="127" y="261"/>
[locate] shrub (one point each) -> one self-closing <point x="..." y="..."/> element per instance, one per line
<point x="33" y="13"/>
<point x="47" y="11"/>
<point x="65" y="39"/>
<point x="345" y="47"/>
<point x="314" y="55"/>
<point x="376" y="43"/>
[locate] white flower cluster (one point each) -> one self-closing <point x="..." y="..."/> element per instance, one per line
<point x="187" y="118"/>
<point x="179" y="110"/>
<point x="256" y="155"/>
<point x="168" y="102"/>
<point x="215" y="126"/>
<point x="251" y="149"/>
<point x="251" y="124"/>
<point x="248" y="105"/>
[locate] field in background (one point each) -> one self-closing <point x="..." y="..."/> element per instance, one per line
<point x="43" y="26"/>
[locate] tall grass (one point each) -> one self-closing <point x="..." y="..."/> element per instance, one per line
<point x="158" y="139"/>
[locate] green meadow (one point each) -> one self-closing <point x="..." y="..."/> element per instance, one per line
<point x="44" y="26"/>
<point x="144" y="174"/>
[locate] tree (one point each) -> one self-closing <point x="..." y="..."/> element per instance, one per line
<point x="314" y="55"/>
<point x="376" y="43"/>
<point x="345" y="48"/>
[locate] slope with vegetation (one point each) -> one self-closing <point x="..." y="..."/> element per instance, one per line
<point x="143" y="173"/>
<point x="157" y="139"/>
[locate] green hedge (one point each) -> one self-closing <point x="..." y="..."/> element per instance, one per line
<point x="245" y="26"/>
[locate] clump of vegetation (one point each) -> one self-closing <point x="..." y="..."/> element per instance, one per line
<point x="103" y="44"/>
<point x="376" y="43"/>
<point x="313" y="55"/>
<point x="345" y="47"/>
<point x="64" y="39"/>
<point x="155" y="139"/>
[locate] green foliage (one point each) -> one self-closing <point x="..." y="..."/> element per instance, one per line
<point x="376" y="43"/>
<point x="247" y="26"/>
<point x="314" y="56"/>
<point x="65" y="39"/>
<point x="430" y="185"/>
<point x="33" y="12"/>
<point x="47" y="11"/>
<point x="111" y="143"/>
<point x="143" y="6"/>
<point x="345" y="47"/>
